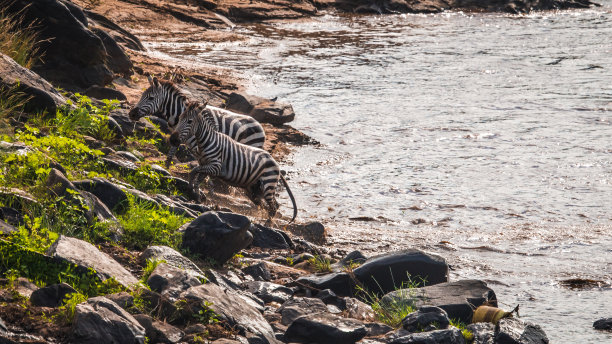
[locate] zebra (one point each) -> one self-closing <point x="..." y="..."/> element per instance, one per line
<point x="237" y="164"/>
<point x="165" y="100"/>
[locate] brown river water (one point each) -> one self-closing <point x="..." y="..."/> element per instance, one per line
<point x="485" y="138"/>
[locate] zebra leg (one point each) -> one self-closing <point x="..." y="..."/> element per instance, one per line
<point x="171" y="153"/>
<point x="254" y="193"/>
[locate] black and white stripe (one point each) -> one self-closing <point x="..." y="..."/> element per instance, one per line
<point x="219" y="156"/>
<point x="164" y="99"/>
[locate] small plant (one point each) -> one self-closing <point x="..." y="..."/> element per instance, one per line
<point x="140" y="305"/>
<point x="206" y="315"/>
<point x="289" y="261"/>
<point x="146" y="224"/>
<point x="320" y="264"/>
<point x="148" y="270"/>
<point x="467" y="334"/>
<point x="68" y="310"/>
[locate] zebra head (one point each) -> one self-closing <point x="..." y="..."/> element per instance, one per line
<point x="188" y="123"/>
<point x="150" y="102"/>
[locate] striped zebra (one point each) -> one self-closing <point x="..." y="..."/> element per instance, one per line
<point x="164" y="99"/>
<point x="219" y="156"/>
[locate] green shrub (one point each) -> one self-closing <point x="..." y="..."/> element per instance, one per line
<point x="68" y="309"/>
<point x="148" y="270"/>
<point x="146" y="224"/>
<point x="467" y="334"/>
<point x="320" y="264"/>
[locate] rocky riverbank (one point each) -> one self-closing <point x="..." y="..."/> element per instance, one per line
<point x="100" y="244"/>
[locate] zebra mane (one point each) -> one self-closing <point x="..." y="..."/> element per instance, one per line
<point x="173" y="87"/>
<point x="203" y="113"/>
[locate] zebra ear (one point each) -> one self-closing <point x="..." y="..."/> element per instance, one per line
<point x="150" y="79"/>
<point x="156" y="82"/>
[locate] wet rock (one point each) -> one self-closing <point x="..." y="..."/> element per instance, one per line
<point x="172" y="258"/>
<point x="123" y="299"/>
<point x="456" y="298"/>
<point x="259" y="272"/>
<point x="73" y="55"/>
<point x="425" y="319"/>
<point x="230" y="307"/>
<point x="171" y="281"/>
<point x="269" y="292"/>
<point x="157" y="331"/>
<point x="217" y="235"/>
<point x="339" y="282"/>
<point x="43" y="96"/>
<point x="387" y="272"/>
<point x="450" y="336"/>
<point x="313" y="232"/>
<point x="263" y="110"/>
<point x="100" y="320"/>
<point x="484" y="333"/>
<point x="298" y="307"/>
<point x="51" y="296"/>
<point x="358" y="310"/>
<point x="515" y="331"/>
<point x="265" y="237"/>
<point x="603" y="324"/>
<point x="6" y="228"/>
<point x="86" y="255"/>
<point x="325" y="328"/>
<point x="104" y="93"/>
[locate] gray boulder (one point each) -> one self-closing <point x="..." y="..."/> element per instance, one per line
<point x="268" y="292"/>
<point x="170" y="281"/>
<point x="217" y="235"/>
<point x="265" y="237"/>
<point x="298" y="307"/>
<point x="387" y="272"/>
<point x="230" y="307"/>
<point x="159" y="332"/>
<point x="425" y="319"/>
<point x="6" y="228"/>
<point x="484" y="333"/>
<point x="456" y="298"/>
<point x="325" y="328"/>
<point x="52" y="295"/>
<point x="259" y="271"/>
<point x="100" y="320"/>
<point x="450" y="336"/>
<point x="338" y="282"/>
<point x="43" y="96"/>
<point x="87" y="255"/>
<point x="172" y="258"/>
<point x="515" y="331"/>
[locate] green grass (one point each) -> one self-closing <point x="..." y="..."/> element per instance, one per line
<point x="145" y="224"/>
<point x="467" y="334"/>
<point x="148" y="270"/>
<point x="68" y="310"/>
<point x="18" y="40"/>
<point x="392" y="313"/>
<point x="320" y="264"/>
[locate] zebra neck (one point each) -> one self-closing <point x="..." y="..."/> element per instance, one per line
<point x="174" y="105"/>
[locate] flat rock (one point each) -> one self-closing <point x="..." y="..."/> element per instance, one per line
<point x="603" y="324"/>
<point x="217" y="235"/>
<point x="426" y="318"/>
<point x="314" y="232"/>
<point x="265" y="237"/>
<point x="325" y="328"/>
<point x="515" y="331"/>
<point x="171" y="281"/>
<point x="484" y="333"/>
<point x="377" y="329"/>
<point x="387" y="272"/>
<point x="172" y="258"/>
<point x="456" y="298"/>
<point x="86" y="255"/>
<point x="230" y="307"/>
<point x="100" y="320"/>
<point x="52" y="295"/>
<point x="298" y="307"/>
<point x="24" y="287"/>
<point x="159" y="332"/>
<point x="268" y="292"/>
<point x="449" y="336"/>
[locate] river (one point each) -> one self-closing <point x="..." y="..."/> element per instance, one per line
<point x="485" y="138"/>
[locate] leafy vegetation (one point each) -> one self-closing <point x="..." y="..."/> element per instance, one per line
<point x="206" y="315"/>
<point x="320" y="264"/>
<point x="146" y="224"/>
<point x="18" y="40"/>
<point x="148" y="270"/>
<point x="68" y="309"/>
<point x="467" y="334"/>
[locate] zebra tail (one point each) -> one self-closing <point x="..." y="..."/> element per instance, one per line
<point x="290" y="196"/>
